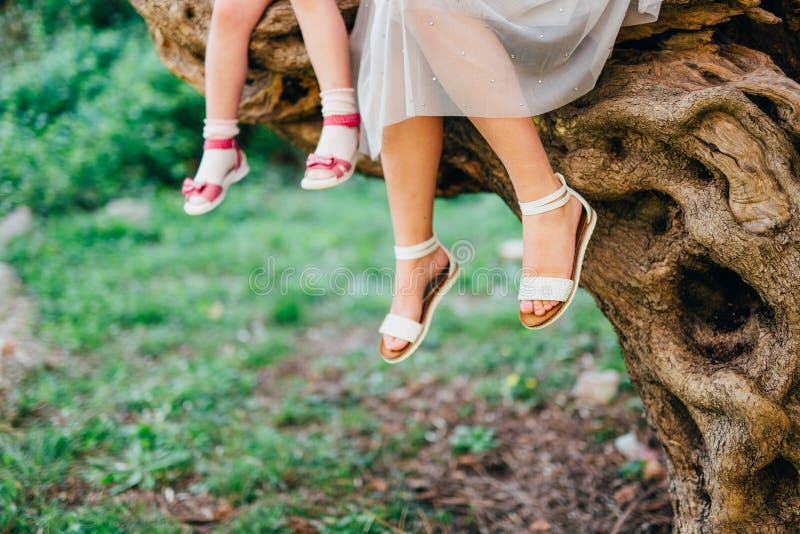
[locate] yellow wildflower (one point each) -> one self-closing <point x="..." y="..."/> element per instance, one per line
<point x="512" y="380"/>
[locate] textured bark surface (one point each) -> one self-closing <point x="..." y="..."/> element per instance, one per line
<point x="688" y="148"/>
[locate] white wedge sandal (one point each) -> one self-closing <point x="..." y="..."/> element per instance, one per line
<point x="403" y="327"/>
<point x="561" y="289"/>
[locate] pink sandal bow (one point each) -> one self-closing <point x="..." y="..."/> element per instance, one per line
<point x="214" y="194"/>
<point x="341" y="169"/>
<point x="208" y="191"/>
<point x="336" y="165"/>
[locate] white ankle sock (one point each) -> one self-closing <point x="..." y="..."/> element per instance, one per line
<point x="220" y="128"/>
<point x="338" y="141"/>
<point x="217" y="163"/>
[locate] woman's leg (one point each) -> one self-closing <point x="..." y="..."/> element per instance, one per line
<point x="410" y="156"/>
<point x="328" y="46"/>
<point x="456" y="44"/>
<point x="467" y="59"/>
<point x="549" y="238"/>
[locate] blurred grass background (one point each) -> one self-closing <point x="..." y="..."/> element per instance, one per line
<point x="87" y="111"/>
<point x="168" y="350"/>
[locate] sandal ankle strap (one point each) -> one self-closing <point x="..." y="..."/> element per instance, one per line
<point x="550" y="202"/>
<point x="420" y="250"/>
<point x="351" y="120"/>
<point x="224" y="144"/>
<point x="219" y="144"/>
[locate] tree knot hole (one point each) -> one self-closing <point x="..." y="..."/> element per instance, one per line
<point x="715" y="307"/>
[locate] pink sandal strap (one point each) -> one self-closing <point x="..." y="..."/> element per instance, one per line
<point x="219" y="144"/>
<point x="210" y="192"/>
<point x="336" y="165"/>
<point x="351" y="120"/>
<point x="224" y="144"/>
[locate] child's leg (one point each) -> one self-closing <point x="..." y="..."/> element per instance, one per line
<point x="549" y="238"/>
<point x="326" y="39"/>
<point x="410" y="156"/>
<point x="232" y="22"/>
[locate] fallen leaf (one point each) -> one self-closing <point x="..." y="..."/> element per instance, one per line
<point x="378" y="484"/>
<point x="454" y="501"/>
<point x="625" y="494"/>
<point x="201" y="508"/>
<point x="467" y="460"/>
<point x="540" y="525"/>
<point x="653" y="470"/>
<point x="300" y="525"/>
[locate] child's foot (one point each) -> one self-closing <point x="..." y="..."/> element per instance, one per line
<point x="223" y="164"/>
<point x="549" y="249"/>
<point x="412" y="278"/>
<point x="333" y="161"/>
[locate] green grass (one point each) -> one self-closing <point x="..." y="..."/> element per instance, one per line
<point x="178" y="373"/>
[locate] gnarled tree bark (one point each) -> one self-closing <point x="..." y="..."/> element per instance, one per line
<point x="688" y="147"/>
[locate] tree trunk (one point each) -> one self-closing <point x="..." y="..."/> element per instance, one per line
<point x="688" y="148"/>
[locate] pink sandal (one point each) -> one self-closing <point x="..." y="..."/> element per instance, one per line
<point x="342" y="169"/>
<point x="214" y="194"/>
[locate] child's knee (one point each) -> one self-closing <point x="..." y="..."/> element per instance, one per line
<point x="232" y="13"/>
<point x="308" y="5"/>
<point x="227" y="12"/>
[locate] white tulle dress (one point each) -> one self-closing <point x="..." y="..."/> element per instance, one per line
<point x="484" y="58"/>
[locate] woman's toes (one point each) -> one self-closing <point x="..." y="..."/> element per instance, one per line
<point x="538" y="307"/>
<point x="526" y="306"/>
<point x="549" y="305"/>
<point x="393" y="343"/>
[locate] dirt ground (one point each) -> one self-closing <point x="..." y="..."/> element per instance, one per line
<point x="555" y="468"/>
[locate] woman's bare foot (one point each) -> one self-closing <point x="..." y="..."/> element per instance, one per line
<point x="411" y="279"/>
<point x="549" y="248"/>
